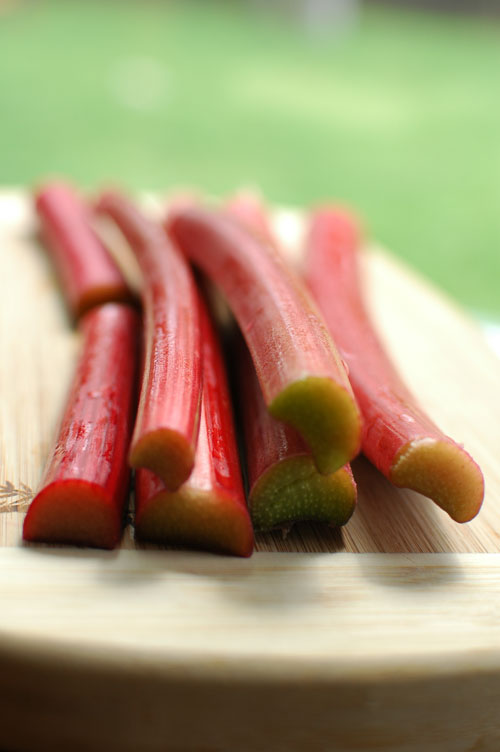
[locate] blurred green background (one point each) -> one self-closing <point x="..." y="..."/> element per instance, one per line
<point x="398" y="113"/>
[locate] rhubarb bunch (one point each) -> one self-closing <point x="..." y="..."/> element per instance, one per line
<point x="302" y="378"/>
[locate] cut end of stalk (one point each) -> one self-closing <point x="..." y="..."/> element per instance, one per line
<point x="167" y="454"/>
<point x="444" y="472"/>
<point x="105" y="294"/>
<point x="294" y="491"/>
<point x="196" y="519"/>
<point x="73" y="512"/>
<point x="326" y="416"/>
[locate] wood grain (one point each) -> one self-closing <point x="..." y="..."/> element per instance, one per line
<point x="382" y="636"/>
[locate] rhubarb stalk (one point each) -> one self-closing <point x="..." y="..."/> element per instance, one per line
<point x="284" y="483"/>
<point x="301" y="375"/>
<point x="209" y="510"/>
<point x="166" y="427"/>
<point x="87" y="272"/>
<point x="84" y="488"/>
<point x="248" y="209"/>
<point x="398" y="437"/>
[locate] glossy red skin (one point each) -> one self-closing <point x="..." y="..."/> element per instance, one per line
<point x="287" y="340"/>
<point x="88" y="274"/>
<point x="171" y="381"/>
<point x="217" y="465"/>
<point x="92" y="445"/>
<point x="391" y="415"/>
<point x="267" y="441"/>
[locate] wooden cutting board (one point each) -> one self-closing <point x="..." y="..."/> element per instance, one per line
<point x="382" y="636"/>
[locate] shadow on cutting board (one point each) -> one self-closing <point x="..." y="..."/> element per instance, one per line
<point x="398" y="520"/>
<point x="387" y="520"/>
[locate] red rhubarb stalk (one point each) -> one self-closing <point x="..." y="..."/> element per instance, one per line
<point x="301" y="375"/>
<point x="398" y="437"/>
<point x="166" y="427"/>
<point x="249" y="210"/>
<point x="285" y="486"/>
<point x="88" y="274"/>
<point x="209" y="510"/>
<point x="84" y="489"/>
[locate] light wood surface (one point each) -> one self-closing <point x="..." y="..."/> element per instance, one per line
<point x="310" y="644"/>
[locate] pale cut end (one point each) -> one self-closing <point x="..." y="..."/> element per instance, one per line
<point x="196" y="519"/>
<point x="167" y="454"/>
<point x="73" y="512"/>
<point x="325" y="414"/>
<point x="444" y="472"/>
<point x="294" y="491"/>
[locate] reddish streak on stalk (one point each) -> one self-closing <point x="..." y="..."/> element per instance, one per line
<point x="166" y="427"/>
<point x="302" y="378"/>
<point x="84" y="489"/>
<point x="248" y="209"/>
<point x="209" y="510"/>
<point x="398" y="437"/>
<point x="88" y="273"/>
<point x="285" y="486"/>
